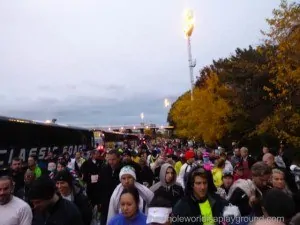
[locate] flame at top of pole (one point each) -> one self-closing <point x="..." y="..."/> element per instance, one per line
<point x="189" y="22"/>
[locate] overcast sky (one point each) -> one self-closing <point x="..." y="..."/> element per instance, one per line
<point x="105" y="62"/>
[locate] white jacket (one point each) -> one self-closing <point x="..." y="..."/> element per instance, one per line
<point x="146" y="196"/>
<point x="185" y="168"/>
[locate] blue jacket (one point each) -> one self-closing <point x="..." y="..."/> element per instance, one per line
<point x="119" y="219"/>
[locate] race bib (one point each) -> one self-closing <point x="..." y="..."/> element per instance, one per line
<point x="94" y="179"/>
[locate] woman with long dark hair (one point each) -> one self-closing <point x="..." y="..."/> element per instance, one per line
<point x="130" y="213"/>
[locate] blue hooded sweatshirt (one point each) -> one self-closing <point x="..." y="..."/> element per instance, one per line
<point x="139" y="219"/>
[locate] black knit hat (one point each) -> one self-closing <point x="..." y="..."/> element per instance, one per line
<point x="43" y="189"/>
<point x="64" y="175"/>
<point x="278" y="204"/>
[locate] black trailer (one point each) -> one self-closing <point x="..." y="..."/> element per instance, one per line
<point x="21" y="138"/>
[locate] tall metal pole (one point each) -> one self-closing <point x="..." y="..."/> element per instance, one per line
<point x="192" y="64"/>
<point x="188" y="30"/>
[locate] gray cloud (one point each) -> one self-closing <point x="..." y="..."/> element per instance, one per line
<point x="105" y="111"/>
<point x="105" y="62"/>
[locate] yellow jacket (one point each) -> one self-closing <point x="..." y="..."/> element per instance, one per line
<point x="177" y="167"/>
<point x="217" y="176"/>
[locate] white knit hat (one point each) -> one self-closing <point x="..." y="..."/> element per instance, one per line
<point x="127" y="170"/>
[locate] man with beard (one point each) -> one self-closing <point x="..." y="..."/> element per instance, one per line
<point x="12" y="209"/>
<point x="17" y="174"/>
<point x="247" y="195"/>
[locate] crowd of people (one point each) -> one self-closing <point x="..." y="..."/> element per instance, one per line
<point x="158" y="184"/>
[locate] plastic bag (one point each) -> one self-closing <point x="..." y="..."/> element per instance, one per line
<point x="231" y="211"/>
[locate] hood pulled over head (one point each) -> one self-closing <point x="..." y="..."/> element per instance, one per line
<point x="163" y="172"/>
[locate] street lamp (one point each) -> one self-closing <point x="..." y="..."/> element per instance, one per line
<point x="188" y="30"/>
<point x="166" y="103"/>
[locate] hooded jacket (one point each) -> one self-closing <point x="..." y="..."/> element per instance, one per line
<point x="114" y="205"/>
<point x="188" y="206"/>
<point x="173" y="191"/>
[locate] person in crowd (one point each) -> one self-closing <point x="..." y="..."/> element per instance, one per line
<point x="170" y="160"/>
<point x="200" y="199"/>
<point x="67" y="157"/>
<point x="130" y="212"/>
<point x="228" y="166"/>
<point x="277" y="204"/>
<point x="156" y="166"/>
<point x="127" y="161"/>
<point x="51" y="169"/>
<point x="236" y="158"/>
<point x="247" y="162"/>
<point x="152" y="157"/>
<point x="185" y="169"/>
<point x="76" y="163"/>
<point x="278" y="181"/>
<point x="147" y="176"/>
<point x="128" y="179"/>
<point x="13" y="211"/>
<point x="91" y="172"/>
<point x="207" y="163"/>
<point x="269" y="159"/>
<point x="17" y="173"/>
<point x="50" y="157"/>
<point x="60" y="158"/>
<point x="109" y="181"/>
<point x="135" y="156"/>
<point x="49" y="208"/>
<point x="264" y="150"/>
<point x="247" y="194"/>
<point x="227" y="180"/>
<point x="238" y="172"/>
<point x="160" y="211"/>
<point x="69" y="191"/>
<point x="61" y="165"/>
<point x="295" y="170"/>
<point x="23" y="192"/>
<point x="143" y="155"/>
<point x="167" y="185"/>
<point x="217" y="172"/>
<point x="179" y="163"/>
<point x="33" y="166"/>
<point x="283" y="154"/>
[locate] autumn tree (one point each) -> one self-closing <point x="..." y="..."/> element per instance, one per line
<point x="260" y="90"/>
<point x="207" y="117"/>
<point x="284" y="66"/>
